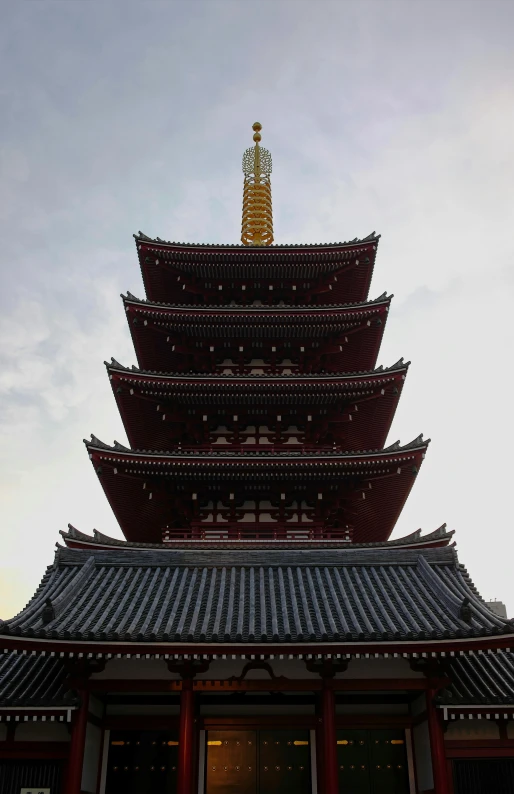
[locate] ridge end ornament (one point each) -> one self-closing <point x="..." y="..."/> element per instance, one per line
<point x="257" y="226"/>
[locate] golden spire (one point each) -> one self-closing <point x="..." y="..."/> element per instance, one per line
<point x="257" y="226"/>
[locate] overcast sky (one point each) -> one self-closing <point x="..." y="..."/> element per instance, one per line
<point x="389" y="116"/>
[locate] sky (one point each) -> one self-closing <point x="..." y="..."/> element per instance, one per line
<point x="383" y="115"/>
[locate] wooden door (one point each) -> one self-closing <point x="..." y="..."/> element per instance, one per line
<point x="389" y="773"/>
<point x="284" y="762"/>
<point x="372" y="762"/>
<point x="231" y="762"/>
<point x="258" y="762"/>
<point x="142" y="762"/>
<point x="353" y="751"/>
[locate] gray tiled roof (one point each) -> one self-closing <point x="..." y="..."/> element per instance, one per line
<point x="33" y="681"/>
<point x="480" y="680"/>
<point x="233" y="595"/>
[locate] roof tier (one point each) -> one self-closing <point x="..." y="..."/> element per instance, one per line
<point x="34" y="682"/>
<point x="185" y="338"/>
<point x="327" y="273"/>
<point x="355" y="411"/>
<point x="480" y="680"/>
<point x="250" y="597"/>
<point x="361" y="491"/>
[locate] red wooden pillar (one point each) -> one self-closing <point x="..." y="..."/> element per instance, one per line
<point x="186" y="738"/>
<point x="328" y="713"/>
<point x="78" y="741"/>
<point x="320" y="744"/>
<point x="435" y="727"/>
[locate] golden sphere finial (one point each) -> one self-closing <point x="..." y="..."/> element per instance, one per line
<point x="257" y="137"/>
<point x="257" y="127"/>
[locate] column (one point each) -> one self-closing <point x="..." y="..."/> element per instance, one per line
<point x="320" y="744"/>
<point x="78" y="740"/>
<point x="186" y="738"/>
<point x="435" y="728"/>
<point x="328" y="713"/>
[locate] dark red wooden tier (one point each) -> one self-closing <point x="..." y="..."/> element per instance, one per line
<point x="241" y="339"/>
<point x="295" y="274"/>
<point x="359" y="495"/>
<point x="341" y="412"/>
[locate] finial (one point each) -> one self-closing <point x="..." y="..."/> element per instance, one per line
<point x="257" y="226"/>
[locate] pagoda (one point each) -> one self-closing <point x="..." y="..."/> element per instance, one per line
<point x="257" y="631"/>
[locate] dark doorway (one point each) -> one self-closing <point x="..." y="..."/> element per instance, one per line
<point x="142" y="762"/>
<point x="258" y="762"/>
<point x="15" y="775"/>
<point x="484" y="777"/>
<point x="372" y="762"/>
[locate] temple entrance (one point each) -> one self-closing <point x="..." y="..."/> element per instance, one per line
<point x="142" y="762"/>
<point x="258" y="762"/>
<point x="372" y="762"/>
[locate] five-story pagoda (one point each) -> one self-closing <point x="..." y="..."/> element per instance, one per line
<point x="256" y="631"/>
<point x="257" y="412"/>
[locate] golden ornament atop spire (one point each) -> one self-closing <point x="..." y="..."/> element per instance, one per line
<point x="257" y="228"/>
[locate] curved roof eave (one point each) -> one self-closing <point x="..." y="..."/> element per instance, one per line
<point x="143" y="238"/>
<point x="115" y="366"/>
<point x="416" y="445"/>
<point x="132" y="300"/>
<point x="407" y="648"/>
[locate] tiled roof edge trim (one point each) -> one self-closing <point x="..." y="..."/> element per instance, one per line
<point x="157" y="240"/>
<point x="398" y="366"/>
<point x="417" y="443"/>
<point x="99" y="537"/>
<point x="130" y="298"/>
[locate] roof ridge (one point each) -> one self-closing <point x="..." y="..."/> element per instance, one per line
<point x="436" y="585"/>
<point x="60" y="602"/>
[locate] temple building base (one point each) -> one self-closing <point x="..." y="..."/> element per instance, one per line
<point x="257" y="727"/>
